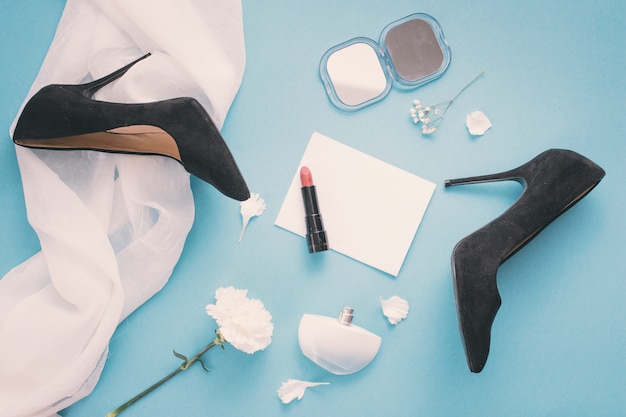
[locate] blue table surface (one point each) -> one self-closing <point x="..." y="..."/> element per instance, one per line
<point x="554" y="79"/>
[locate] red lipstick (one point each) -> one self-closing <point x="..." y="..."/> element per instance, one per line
<point x="316" y="235"/>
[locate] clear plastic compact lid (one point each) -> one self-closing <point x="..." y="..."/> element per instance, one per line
<point x="360" y="72"/>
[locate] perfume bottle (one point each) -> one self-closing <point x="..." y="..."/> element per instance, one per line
<point x="337" y="345"/>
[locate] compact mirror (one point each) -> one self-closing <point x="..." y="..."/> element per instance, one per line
<point x="360" y="72"/>
<point x="355" y="72"/>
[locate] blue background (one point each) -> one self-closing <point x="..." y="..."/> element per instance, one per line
<point x="554" y="78"/>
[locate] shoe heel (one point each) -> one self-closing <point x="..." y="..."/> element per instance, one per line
<point x="90" y="88"/>
<point x="503" y="176"/>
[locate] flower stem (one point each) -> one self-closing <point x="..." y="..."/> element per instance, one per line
<point x="219" y="339"/>
<point x="449" y="102"/>
<point x="466" y="86"/>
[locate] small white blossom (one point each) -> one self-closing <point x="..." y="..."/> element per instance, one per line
<point x="243" y="322"/>
<point x="254" y="206"/>
<point x="294" y="388"/>
<point x="477" y="123"/>
<point x="395" y="309"/>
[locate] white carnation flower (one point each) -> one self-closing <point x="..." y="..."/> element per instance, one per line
<point x="243" y="322"/>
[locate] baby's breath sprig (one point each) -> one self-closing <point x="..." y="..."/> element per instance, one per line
<point x="431" y="116"/>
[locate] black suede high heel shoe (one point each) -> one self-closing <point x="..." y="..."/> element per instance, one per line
<point x="63" y="116"/>
<point x="553" y="182"/>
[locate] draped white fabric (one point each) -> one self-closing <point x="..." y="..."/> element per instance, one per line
<point x="111" y="226"/>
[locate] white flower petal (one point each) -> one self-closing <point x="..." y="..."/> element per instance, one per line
<point x="244" y="322"/>
<point x="254" y="206"/>
<point x="395" y="309"/>
<point x="294" y="388"/>
<point x="477" y="123"/>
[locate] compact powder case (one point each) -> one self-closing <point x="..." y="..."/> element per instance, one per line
<point x="360" y="72"/>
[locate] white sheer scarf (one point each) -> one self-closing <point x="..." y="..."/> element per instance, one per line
<point x="111" y="226"/>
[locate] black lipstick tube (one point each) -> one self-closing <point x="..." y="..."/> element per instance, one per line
<point x="316" y="235"/>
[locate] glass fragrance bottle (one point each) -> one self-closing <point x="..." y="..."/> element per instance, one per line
<point x="336" y="344"/>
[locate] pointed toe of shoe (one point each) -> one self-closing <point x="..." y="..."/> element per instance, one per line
<point x="475" y="325"/>
<point x="476" y="350"/>
<point x="477" y="299"/>
<point x="237" y="190"/>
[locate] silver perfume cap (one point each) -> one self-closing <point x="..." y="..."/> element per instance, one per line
<point x="346" y="315"/>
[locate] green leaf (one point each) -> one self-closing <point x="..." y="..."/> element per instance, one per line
<point x="203" y="367"/>
<point x="181" y="357"/>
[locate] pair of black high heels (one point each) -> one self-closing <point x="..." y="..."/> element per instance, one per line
<point x="553" y="182"/>
<point x="62" y="116"/>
